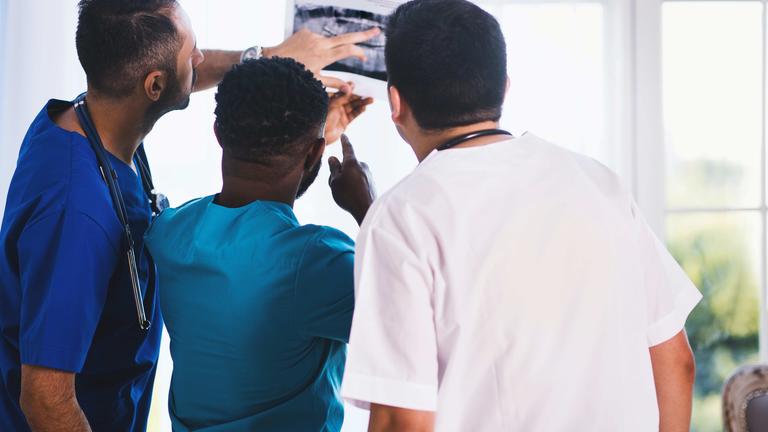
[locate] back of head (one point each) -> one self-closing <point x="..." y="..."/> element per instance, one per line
<point x="269" y="112"/>
<point x="119" y="42"/>
<point x="448" y="60"/>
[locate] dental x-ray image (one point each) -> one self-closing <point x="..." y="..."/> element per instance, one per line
<point x="333" y="21"/>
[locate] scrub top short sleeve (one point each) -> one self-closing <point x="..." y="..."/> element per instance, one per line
<point x="670" y="293"/>
<point x="392" y="358"/>
<point x="324" y="290"/>
<point x="64" y="278"/>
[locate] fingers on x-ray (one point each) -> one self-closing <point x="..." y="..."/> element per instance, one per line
<point x="334" y="21"/>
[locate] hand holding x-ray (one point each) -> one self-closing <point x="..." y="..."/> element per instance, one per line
<point x="343" y="108"/>
<point x="317" y="51"/>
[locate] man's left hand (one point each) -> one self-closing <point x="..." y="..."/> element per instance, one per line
<point x="342" y="110"/>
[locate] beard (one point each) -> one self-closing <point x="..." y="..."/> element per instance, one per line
<point x="174" y="98"/>
<point x="308" y="179"/>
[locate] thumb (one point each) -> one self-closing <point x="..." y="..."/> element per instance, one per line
<point x="335" y="83"/>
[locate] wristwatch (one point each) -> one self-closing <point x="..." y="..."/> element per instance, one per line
<point x="252" y="53"/>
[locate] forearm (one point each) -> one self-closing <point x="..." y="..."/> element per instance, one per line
<point x="217" y="63"/>
<point x="390" y="419"/>
<point x="54" y="416"/>
<point x="674" y="372"/>
<point x="675" y="400"/>
<point x="49" y="402"/>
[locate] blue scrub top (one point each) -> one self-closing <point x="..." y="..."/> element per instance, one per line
<point x="65" y="293"/>
<point x="259" y="309"/>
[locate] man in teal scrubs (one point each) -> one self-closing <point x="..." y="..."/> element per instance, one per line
<point x="259" y="306"/>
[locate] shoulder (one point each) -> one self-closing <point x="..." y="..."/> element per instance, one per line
<point x="327" y="257"/>
<point x="408" y="205"/>
<point x="177" y="217"/>
<point x="57" y="171"/>
<point x="585" y="173"/>
<point x="325" y="239"/>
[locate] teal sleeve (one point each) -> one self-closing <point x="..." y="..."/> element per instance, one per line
<point x="324" y="290"/>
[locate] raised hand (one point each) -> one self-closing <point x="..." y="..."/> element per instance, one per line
<point x="351" y="182"/>
<point x="316" y="51"/>
<point x="342" y="110"/>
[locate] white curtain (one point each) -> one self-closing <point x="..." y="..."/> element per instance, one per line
<point x="570" y="65"/>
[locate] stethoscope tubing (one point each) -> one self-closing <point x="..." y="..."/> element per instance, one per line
<point x="110" y="177"/>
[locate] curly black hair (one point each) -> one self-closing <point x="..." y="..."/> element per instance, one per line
<point x="269" y="108"/>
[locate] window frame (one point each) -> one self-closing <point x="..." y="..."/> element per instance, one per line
<point x="649" y="148"/>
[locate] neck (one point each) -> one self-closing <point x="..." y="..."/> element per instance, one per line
<point x="241" y="187"/>
<point x="120" y="124"/>
<point x="426" y="142"/>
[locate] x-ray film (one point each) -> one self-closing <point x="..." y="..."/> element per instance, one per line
<point x="336" y="17"/>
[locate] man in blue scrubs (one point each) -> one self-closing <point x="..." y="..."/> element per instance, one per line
<point x="259" y="306"/>
<point x="72" y="355"/>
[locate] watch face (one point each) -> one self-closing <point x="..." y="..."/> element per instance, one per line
<point x="252" y="53"/>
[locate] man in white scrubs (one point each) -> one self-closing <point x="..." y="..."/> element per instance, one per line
<point x="507" y="284"/>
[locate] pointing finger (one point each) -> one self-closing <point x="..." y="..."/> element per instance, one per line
<point x="355" y="37"/>
<point x="334" y="165"/>
<point x="346" y="148"/>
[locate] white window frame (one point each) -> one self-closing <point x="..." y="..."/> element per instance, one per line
<point x="648" y="143"/>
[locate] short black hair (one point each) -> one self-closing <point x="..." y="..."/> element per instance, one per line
<point x="448" y="59"/>
<point x="119" y="42"/>
<point x="269" y="110"/>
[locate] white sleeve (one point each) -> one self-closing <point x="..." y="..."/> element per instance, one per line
<point x="670" y="294"/>
<point x="392" y="357"/>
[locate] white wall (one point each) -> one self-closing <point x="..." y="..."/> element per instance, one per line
<point x="39" y="63"/>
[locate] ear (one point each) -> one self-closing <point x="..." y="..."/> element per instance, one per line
<point x="506" y="90"/>
<point x="396" y="105"/>
<point x="315" y="153"/>
<point x="154" y="85"/>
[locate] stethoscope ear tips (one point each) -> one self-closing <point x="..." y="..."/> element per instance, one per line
<point x="145" y="325"/>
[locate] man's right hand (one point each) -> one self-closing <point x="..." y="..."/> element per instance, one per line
<point x="316" y="51"/>
<point x="351" y="182"/>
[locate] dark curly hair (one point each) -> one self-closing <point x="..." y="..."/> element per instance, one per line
<point x="119" y="42"/>
<point x="268" y="109"/>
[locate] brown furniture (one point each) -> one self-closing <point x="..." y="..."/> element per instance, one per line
<point x="745" y="400"/>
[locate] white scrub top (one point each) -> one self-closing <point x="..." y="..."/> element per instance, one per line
<point x="513" y="287"/>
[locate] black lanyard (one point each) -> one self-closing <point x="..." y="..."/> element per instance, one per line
<point x="470" y="136"/>
<point x="157" y="201"/>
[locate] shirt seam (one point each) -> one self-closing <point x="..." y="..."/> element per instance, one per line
<point x="38" y="358"/>
<point x="63" y="211"/>
<point x="61" y="207"/>
<point x="280" y="215"/>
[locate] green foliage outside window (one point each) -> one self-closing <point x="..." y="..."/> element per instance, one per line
<point x="714" y="249"/>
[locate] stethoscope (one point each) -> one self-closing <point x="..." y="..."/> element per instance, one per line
<point x="157" y="201"/>
<point x="470" y="136"/>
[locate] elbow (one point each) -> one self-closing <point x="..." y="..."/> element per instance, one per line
<point x="689" y="367"/>
<point x="36" y="402"/>
<point x="29" y="403"/>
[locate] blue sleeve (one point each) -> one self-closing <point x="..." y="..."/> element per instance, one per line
<point x="325" y="288"/>
<point x="65" y="264"/>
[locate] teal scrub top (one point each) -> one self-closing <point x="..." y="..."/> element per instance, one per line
<point x="259" y="309"/>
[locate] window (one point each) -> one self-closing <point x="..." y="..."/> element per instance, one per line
<point x="714" y="114"/>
